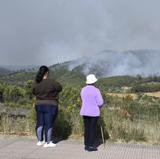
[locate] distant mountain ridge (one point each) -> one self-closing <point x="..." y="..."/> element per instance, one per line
<point x="18" y="67"/>
<point x="4" y="71"/>
<point x="106" y="63"/>
<point x="112" y="63"/>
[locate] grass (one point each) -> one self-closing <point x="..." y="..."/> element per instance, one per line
<point x="18" y="126"/>
<point x="118" y="128"/>
<point x="123" y="95"/>
<point x="125" y="119"/>
<point x="134" y="95"/>
<point x="153" y="94"/>
<point x="137" y="120"/>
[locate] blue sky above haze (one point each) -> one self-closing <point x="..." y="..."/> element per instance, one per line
<point x="51" y="31"/>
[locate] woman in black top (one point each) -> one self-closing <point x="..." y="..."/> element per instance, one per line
<point x="46" y="106"/>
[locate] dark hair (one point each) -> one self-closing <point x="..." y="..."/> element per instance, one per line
<point x="41" y="72"/>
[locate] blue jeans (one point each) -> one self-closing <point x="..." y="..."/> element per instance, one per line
<point x="46" y="115"/>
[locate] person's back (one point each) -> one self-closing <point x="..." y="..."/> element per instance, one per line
<point x="46" y="106"/>
<point x="91" y="101"/>
<point x="46" y="91"/>
<point x="90" y="111"/>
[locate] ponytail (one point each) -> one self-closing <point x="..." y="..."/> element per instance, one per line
<point x="41" y="72"/>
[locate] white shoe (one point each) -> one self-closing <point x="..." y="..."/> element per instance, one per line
<point x="40" y="143"/>
<point x="51" y="144"/>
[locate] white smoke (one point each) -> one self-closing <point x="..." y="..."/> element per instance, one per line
<point x="36" y="32"/>
<point x="113" y="63"/>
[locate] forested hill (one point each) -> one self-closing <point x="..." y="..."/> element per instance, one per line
<point x="76" y="78"/>
<point x="4" y="71"/>
<point x="58" y="72"/>
<point x="111" y="67"/>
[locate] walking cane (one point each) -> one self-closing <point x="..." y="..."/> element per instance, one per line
<point x="102" y="135"/>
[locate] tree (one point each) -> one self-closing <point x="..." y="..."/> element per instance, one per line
<point x="28" y="88"/>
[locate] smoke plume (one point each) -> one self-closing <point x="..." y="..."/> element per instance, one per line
<point x="113" y="63"/>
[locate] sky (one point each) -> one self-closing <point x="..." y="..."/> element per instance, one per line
<point x="35" y="32"/>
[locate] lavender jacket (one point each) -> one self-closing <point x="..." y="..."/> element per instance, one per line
<point x="91" y="101"/>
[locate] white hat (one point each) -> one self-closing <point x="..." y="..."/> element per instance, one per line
<point x="90" y="79"/>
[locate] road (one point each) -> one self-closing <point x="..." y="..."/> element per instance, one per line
<point x="25" y="148"/>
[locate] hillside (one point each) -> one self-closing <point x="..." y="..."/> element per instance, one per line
<point x="114" y="68"/>
<point x="132" y="101"/>
<point x="113" y="63"/>
<point x="4" y="71"/>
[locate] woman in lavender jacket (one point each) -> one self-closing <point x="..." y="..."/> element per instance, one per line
<point x="91" y="102"/>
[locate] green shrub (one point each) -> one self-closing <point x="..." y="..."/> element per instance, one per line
<point x="147" y="87"/>
<point x="63" y="127"/>
<point x="115" y="123"/>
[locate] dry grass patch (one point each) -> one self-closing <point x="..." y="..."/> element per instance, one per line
<point x="123" y="95"/>
<point x="153" y="94"/>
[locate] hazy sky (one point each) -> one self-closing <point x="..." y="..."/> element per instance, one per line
<point x="51" y="31"/>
